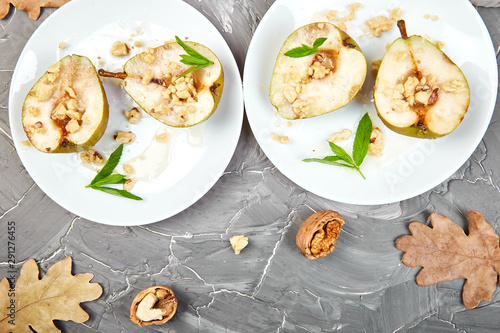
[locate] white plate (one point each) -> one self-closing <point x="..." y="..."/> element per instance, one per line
<point x="191" y="161"/>
<point x="408" y="166"/>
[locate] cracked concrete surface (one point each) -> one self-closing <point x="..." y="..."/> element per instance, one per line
<point x="269" y="287"/>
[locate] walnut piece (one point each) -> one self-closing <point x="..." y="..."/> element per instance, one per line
<point x="133" y="115"/>
<point x="340" y="136"/>
<point x="238" y="242"/>
<point x="119" y="49"/>
<point x="318" y="234"/>
<point x="281" y="139"/>
<point x="376" y="145"/>
<point x="154" y="305"/>
<point x="124" y="137"/>
<point x="91" y="156"/>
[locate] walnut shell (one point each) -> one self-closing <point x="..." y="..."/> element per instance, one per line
<point x="166" y="302"/>
<point x="318" y="234"/>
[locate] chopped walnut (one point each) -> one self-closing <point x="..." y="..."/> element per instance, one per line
<point x="290" y="93"/>
<point x="127" y="168"/>
<point x="59" y="112"/>
<point x="137" y="43"/>
<point x="319" y="233"/>
<point x="318" y="71"/>
<point x="133" y="115"/>
<point x="91" y="156"/>
<point x="119" y="49"/>
<point x="238" y="242"/>
<point x="129" y="183"/>
<point x="44" y="91"/>
<point x="124" y="137"/>
<point x="72" y="126"/>
<point x="148" y="76"/>
<point x="453" y="86"/>
<point x="340" y="136"/>
<point x="380" y="24"/>
<point x="376" y="143"/>
<point x="281" y="139"/>
<point x="62" y="45"/>
<point x="70" y="91"/>
<point x="435" y="18"/>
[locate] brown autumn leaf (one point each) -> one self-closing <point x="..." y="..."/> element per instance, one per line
<point x="446" y="253"/>
<point x="32" y="7"/>
<point x="38" y="302"/>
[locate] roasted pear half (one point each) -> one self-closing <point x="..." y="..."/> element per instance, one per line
<point x="66" y="110"/>
<point x="155" y="81"/>
<point x="318" y="83"/>
<point x="419" y="91"/>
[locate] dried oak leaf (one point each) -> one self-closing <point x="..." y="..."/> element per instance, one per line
<point x="32" y="7"/>
<point x="446" y="253"/>
<point x="38" y="302"/>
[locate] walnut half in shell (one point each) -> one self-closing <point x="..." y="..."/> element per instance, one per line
<point x="318" y="234"/>
<point x="155" y="305"/>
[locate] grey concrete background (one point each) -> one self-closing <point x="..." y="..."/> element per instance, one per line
<point x="269" y="287"/>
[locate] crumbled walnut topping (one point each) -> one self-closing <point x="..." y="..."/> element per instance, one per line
<point x="133" y="115"/>
<point x="70" y="92"/>
<point x="376" y="143"/>
<point x="281" y="139"/>
<point x="238" y="242"/>
<point x="129" y="183"/>
<point x="91" y="156"/>
<point x="137" y="43"/>
<point x="435" y="18"/>
<point x="148" y="76"/>
<point x="290" y="93"/>
<point x="119" y="49"/>
<point x="380" y="24"/>
<point x="340" y="136"/>
<point x="72" y="126"/>
<point x="62" y="45"/>
<point x="454" y="86"/>
<point x="59" y="112"/>
<point x="44" y="91"/>
<point x="124" y="137"/>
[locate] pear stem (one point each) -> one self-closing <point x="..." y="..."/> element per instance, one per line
<point x="402" y="29"/>
<point x="121" y="75"/>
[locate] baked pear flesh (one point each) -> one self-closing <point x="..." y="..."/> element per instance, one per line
<point x="154" y="81"/>
<point x="319" y="83"/>
<point x="66" y="110"/>
<point x="419" y="91"/>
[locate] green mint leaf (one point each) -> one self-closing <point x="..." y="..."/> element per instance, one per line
<point x="362" y="139"/>
<point x="331" y="160"/>
<point x="304" y="50"/>
<point x="110" y="165"/>
<point x="193" y="58"/>
<point x="117" y="192"/>
<point x="341" y="153"/>
<point x="111" y="179"/>
<point x="318" y="42"/>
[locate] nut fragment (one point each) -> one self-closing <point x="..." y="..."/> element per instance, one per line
<point x="91" y="156"/>
<point x="124" y="137"/>
<point x="318" y="234"/>
<point x="238" y="242"/>
<point x="376" y="143"/>
<point x="340" y="136"/>
<point x="119" y="49"/>
<point x="154" y="305"/>
<point x="133" y="115"/>
<point x="281" y="139"/>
